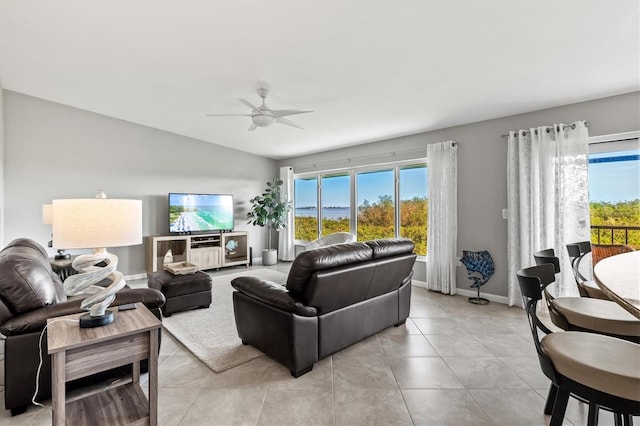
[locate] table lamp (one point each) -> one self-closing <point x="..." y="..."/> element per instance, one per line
<point x="96" y="223"/>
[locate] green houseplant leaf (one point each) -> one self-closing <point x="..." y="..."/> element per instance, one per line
<point x="269" y="210"/>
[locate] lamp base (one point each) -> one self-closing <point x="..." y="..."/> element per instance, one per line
<point x="87" y="321"/>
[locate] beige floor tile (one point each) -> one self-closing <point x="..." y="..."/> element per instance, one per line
<point x="367" y="347"/>
<point x="528" y="369"/>
<point x="407" y="346"/>
<point x="427" y="311"/>
<point x="297" y="407"/>
<point x="453" y="407"/>
<point x="371" y="407"/>
<point x="484" y="373"/>
<point x="439" y="326"/>
<point x="181" y="370"/>
<point x="505" y="345"/>
<point x="424" y="373"/>
<point x="225" y="407"/>
<point x="256" y="373"/>
<point x="409" y="327"/>
<point x="320" y="378"/>
<point x="174" y="403"/>
<point x="371" y="372"/>
<point x="454" y="345"/>
<point x="511" y="407"/>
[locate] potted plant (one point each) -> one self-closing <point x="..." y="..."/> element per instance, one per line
<point x="271" y="211"/>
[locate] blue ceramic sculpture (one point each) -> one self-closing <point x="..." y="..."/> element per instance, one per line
<point x="231" y="245"/>
<point x="480" y="268"/>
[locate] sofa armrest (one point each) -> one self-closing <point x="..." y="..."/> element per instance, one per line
<point x="272" y="294"/>
<point x="35" y="320"/>
<point x="151" y="298"/>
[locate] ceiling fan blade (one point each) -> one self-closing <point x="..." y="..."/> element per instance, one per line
<point x="228" y="115"/>
<point x="247" y="103"/>
<point x="252" y="127"/>
<point x="288" y="122"/>
<point x="284" y="112"/>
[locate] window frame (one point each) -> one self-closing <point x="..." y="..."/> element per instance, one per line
<point x="352" y="172"/>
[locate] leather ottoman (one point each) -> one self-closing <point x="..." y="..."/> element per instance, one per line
<point x="182" y="292"/>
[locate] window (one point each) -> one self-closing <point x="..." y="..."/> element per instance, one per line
<point x="371" y="202"/>
<point x="413" y="205"/>
<point x="336" y="210"/>
<point x="376" y="206"/>
<point x="614" y="192"/>
<point x="306" y="208"/>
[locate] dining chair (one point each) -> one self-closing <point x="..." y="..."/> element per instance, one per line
<point x="586" y="287"/>
<point x="596" y="369"/>
<point x="600" y="251"/>
<point x="584" y="313"/>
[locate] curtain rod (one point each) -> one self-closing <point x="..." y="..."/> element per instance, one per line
<point x="573" y="126"/>
<point x="361" y="157"/>
<point x="422" y="151"/>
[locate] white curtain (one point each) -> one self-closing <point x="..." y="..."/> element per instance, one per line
<point x="286" y="248"/>
<point x="442" y="231"/>
<point x="548" y="198"/>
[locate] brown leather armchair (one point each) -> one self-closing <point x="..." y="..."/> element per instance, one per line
<point x="30" y="293"/>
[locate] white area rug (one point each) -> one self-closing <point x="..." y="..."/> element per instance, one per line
<point x="210" y="334"/>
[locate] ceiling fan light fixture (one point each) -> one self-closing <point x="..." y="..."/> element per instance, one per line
<point x="262" y="120"/>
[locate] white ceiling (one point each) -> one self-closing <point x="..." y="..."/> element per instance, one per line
<point x="370" y="70"/>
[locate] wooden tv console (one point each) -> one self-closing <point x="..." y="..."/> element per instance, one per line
<point x="207" y="251"/>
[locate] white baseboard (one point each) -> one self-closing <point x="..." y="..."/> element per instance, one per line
<point x="469" y="293"/>
<point x="135" y="277"/>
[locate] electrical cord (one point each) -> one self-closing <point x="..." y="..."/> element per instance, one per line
<point x="35" y="393"/>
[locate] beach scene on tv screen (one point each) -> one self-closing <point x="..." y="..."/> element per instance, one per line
<point x="200" y="212"/>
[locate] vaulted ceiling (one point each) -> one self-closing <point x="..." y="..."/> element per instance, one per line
<point x="369" y="70"/>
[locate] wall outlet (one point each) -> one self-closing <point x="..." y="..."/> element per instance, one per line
<point x="505" y="213"/>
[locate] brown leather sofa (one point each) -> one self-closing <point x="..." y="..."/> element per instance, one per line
<point x="30" y="293"/>
<point x="334" y="297"/>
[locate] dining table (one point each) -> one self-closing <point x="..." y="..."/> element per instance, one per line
<point x="619" y="278"/>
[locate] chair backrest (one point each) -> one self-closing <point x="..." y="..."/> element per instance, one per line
<point x="600" y="251"/>
<point x="547" y="277"/>
<point x="577" y="252"/>
<point x="530" y="281"/>
<point x="547" y="256"/>
<point x="330" y="239"/>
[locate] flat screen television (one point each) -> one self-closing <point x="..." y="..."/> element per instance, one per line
<point x="189" y="213"/>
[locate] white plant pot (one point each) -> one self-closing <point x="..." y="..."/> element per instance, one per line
<point x="269" y="257"/>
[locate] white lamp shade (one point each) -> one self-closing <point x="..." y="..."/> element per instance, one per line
<point x="47" y="214"/>
<point x="96" y="223"/>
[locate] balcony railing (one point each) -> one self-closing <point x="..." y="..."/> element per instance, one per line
<point x="610" y="234"/>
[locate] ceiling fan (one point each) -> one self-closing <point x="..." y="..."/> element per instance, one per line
<point x="263" y="116"/>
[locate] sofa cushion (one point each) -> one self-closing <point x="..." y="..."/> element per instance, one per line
<point x="323" y="258"/>
<point x="390" y="247"/>
<point x="26" y="279"/>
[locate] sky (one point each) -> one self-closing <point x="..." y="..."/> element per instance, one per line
<point x="615" y="176"/>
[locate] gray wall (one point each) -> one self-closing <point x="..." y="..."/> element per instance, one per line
<point x="54" y="151"/>
<point x="482" y="168"/>
<point x="1" y="167"/>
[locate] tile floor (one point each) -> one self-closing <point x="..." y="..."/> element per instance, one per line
<point x="452" y="363"/>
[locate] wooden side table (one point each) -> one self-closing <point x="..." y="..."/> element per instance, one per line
<point x="63" y="267"/>
<point x="79" y="352"/>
